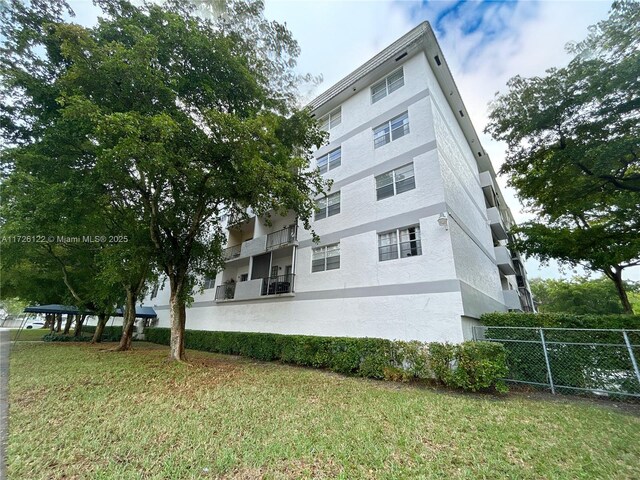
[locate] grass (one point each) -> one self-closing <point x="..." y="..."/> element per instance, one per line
<point x="77" y="412"/>
<point x="30" y="335"/>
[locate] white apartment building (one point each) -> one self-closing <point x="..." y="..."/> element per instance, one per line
<point x="413" y="234"/>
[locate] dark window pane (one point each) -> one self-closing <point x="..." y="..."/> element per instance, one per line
<point x="405" y="185"/>
<point x="384" y="192"/>
<point x="317" y="265"/>
<point x="333" y="263"/>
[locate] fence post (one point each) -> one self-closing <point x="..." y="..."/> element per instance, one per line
<point x="546" y="359"/>
<point x="633" y="357"/>
<point x="5" y="343"/>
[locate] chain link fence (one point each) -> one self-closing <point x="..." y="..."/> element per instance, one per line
<point x="571" y="360"/>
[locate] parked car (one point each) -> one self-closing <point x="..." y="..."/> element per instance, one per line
<point x="35" y="324"/>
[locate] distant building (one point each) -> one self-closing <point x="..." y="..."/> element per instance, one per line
<point x="413" y="235"/>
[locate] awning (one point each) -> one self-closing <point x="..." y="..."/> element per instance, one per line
<point x="55" y="308"/>
<point x="141" y="312"/>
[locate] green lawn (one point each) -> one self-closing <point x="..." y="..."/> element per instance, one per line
<point x="77" y="412"/>
<point x="29" y="335"/>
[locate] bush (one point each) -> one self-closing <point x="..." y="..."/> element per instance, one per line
<point x="470" y="366"/>
<point x="560" y="320"/>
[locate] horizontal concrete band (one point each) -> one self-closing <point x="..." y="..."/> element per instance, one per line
<point x="374" y="122"/>
<point x="476" y="302"/>
<point x="386" y="166"/>
<point x="389" y="223"/>
<point x="418" y="288"/>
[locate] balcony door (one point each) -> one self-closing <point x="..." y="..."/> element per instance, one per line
<point x="261" y="266"/>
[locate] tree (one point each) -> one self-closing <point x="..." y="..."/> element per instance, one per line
<point x="573" y="151"/>
<point x="579" y="295"/>
<point x="189" y="120"/>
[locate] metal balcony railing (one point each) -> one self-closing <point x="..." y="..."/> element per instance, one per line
<point x="282" y="237"/>
<point x="226" y="291"/>
<point x="277" y="285"/>
<point x="231" y="252"/>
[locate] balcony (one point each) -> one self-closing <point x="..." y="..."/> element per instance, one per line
<point x="231" y="252"/>
<point x="256" y="289"/>
<point x="282" y="238"/>
<point x="278" y="285"/>
<point x="226" y="291"/>
<point x="262" y="244"/>
<point x="503" y="260"/>
<point x="489" y="189"/>
<point x="512" y="300"/>
<point x="496" y="224"/>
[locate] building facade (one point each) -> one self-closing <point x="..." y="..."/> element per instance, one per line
<point x="414" y="237"/>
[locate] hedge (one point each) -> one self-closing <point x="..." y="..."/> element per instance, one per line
<point x="601" y="362"/>
<point x="560" y="320"/>
<point x="470" y="365"/>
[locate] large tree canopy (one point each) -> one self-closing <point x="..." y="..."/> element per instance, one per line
<point x="573" y="140"/>
<point x="579" y="295"/>
<point x="185" y="119"/>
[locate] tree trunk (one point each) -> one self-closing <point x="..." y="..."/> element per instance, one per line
<point x="59" y="323"/>
<point x="67" y="324"/>
<point x="128" y="322"/>
<point x="178" y="312"/>
<point x="48" y="321"/>
<point x="615" y="274"/>
<point x="103" y="318"/>
<point x="79" y="321"/>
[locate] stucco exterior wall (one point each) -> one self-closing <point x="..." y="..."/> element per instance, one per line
<point x="430" y="297"/>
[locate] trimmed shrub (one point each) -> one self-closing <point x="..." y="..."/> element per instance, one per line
<point x="470" y="366"/>
<point x="560" y="320"/>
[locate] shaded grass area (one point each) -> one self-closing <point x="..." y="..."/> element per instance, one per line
<point x="30" y="335"/>
<point x="77" y="412"/>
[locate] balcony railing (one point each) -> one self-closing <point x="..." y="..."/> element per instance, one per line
<point x="226" y="291"/>
<point x="231" y="252"/>
<point x="277" y="285"/>
<point x="282" y="237"/>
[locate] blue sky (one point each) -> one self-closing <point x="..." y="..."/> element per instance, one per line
<point x="485" y="43"/>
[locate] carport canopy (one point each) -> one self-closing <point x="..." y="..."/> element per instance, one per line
<point x="141" y="312"/>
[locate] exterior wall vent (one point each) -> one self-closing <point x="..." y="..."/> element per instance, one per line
<point x="401" y="56"/>
<point x="437" y="59"/>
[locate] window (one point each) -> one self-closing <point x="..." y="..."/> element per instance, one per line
<point x="209" y="282"/>
<point x="396" y="181"/>
<point x="332" y="119"/>
<point x="244" y="277"/>
<point x="409" y="246"/>
<point x="330" y="161"/>
<point x="387" y="85"/>
<point x="274" y="271"/>
<point x="327" y="206"/>
<point x="326" y="258"/>
<point x="392" y="130"/>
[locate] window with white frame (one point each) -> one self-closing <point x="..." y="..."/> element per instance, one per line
<point x="392" y="130"/>
<point x="209" y="282"/>
<point x="330" y="161"/>
<point x="326" y="258"/>
<point x="396" y="181"/>
<point x="387" y="85"/>
<point x="327" y="206"/>
<point x="389" y="248"/>
<point x="332" y="119"/>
